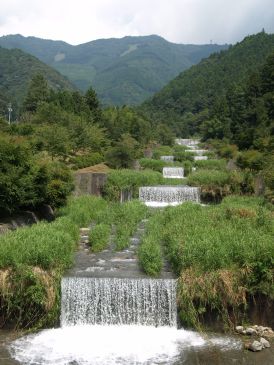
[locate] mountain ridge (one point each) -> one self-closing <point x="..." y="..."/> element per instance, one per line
<point x="122" y="71"/>
<point x="17" y="68"/>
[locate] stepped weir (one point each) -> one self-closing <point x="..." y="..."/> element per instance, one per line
<point x="113" y="301"/>
<point x="167" y="158"/>
<point x="173" y="172"/>
<point x="168" y="195"/>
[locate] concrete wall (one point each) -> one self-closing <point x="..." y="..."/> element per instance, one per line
<point x="89" y="183"/>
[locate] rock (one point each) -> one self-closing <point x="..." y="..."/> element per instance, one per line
<point x="247" y="345"/>
<point x="239" y="329"/>
<point x="264" y="342"/>
<point x="251" y="331"/>
<point x="85" y="241"/>
<point x="255" y="346"/>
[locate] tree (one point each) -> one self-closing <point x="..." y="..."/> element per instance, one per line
<point x="164" y="135"/>
<point x="38" y="92"/>
<point x="123" y="153"/>
<point x="93" y="104"/>
<point x="55" y="140"/>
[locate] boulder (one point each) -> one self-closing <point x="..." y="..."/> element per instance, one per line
<point x="255" y="346"/>
<point x="251" y="331"/>
<point x="264" y="342"/>
<point x="239" y="329"/>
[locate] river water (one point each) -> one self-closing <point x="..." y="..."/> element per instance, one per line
<point x="127" y="342"/>
<point x="126" y="345"/>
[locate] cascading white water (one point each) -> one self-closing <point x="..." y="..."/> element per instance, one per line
<point x="196" y="152"/>
<point x="168" y="195"/>
<point x="173" y="172"/>
<point x="167" y="158"/>
<point x="113" y="301"/>
<point x="187" y="141"/>
<point x="122" y="307"/>
<point x="200" y="158"/>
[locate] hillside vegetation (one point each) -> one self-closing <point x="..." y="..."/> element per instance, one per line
<point x="213" y="88"/>
<point x="122" y="71"/>
<point x="16" y="71"/>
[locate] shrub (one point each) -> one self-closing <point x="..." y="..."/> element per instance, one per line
<point x="156" y="165"/>
<point x="80" y="162"/>
<point x="251" y="159"/>
<point x="162" y="151"/>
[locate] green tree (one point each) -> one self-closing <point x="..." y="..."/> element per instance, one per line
<point x="123" y="153"/>
<point x="38" y="92"/>
<point x="55" y="140"/>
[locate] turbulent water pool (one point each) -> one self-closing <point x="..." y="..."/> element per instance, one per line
<point x="110" y="345"/>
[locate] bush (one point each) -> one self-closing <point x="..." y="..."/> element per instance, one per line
<point x="79" y="162"/>
<point x="156" y="165"/>
<point x="99" y="237"/>
<point x="162" y="151"/>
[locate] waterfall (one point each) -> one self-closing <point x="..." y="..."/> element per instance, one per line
<point x="173" y="172"/>
<point x="196" y="152"/>
<point x="167" y="158"/>
<point x="187" y="142"/>
<point x="200" y="158"/>
<point x="169" y="194"/>
<point x="112" y="301"/>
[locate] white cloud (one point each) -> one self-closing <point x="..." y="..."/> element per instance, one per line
<point x="181" y="21"/>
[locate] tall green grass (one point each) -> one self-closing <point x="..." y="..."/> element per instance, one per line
<point x="211" y="164"/>
<point x="156" y="165"/>
<point x="220" y="253"/>
<point x="84" y="209"/>
<point x="127" y="218"/>
<point x="150" y="253"/>
<point x="119" y="180"/>
<point x="99" y="237"/>
<point x="45" y="245"/>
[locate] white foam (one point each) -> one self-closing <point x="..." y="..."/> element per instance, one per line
<point x="161" y="204"/>
<point x="104" y="345"/>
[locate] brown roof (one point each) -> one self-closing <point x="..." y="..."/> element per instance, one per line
<point x="100" y="168"/>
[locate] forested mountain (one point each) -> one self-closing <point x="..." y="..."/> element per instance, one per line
<point x="217" y="89"/>
<point x="16" y="71"/>
<point x="122" y="71"/>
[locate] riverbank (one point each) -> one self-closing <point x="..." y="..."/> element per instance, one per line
<point x="221" y="254"/>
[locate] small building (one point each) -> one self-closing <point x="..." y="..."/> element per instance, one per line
<point x="91" y="180"/>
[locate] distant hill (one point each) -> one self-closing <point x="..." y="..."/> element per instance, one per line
<point x="191" y="97"/>
<point x="17" y="69"/>
<point x="122" y="71"/>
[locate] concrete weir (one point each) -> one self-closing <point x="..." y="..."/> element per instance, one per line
<point x="173" y="172"/>
<point x="161" y="196"/>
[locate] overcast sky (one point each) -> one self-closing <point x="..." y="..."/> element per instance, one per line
<point x="180" y="21"/>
